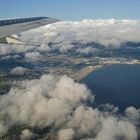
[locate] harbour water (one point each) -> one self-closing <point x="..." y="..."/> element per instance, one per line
<point x="117" y="84"/>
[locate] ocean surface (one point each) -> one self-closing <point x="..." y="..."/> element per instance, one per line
<point x="116" y="84"/>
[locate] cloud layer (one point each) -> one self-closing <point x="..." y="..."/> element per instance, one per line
<point x="106" y="32"/>
<point x="77" y="35"/>
<point x="61" y="103"/>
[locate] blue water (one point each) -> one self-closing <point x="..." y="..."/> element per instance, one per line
<point x="116" y="84"/>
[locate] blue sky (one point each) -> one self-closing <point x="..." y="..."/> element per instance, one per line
<point x="71" y="9"/>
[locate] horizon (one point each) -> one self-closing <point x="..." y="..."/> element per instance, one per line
<point x="77" y="20"/>
<point x="71" y="10"/>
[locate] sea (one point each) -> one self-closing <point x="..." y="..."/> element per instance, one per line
<point x="117" y="84"/>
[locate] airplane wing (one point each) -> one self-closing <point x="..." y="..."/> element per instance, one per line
<point x="14" y="26"/>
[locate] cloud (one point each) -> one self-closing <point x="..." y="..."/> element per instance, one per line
<point x="62" y="35"/>
<point x="26" y="135"/>
<point x="62" y="104"/>
<point x="42" y="102"/>
<point x="116" y="129"/>
<point x="6" y="49"/>
<point x="33" y="56"/>
<point x="133" y="114"/>
<point x="68" y="35"/>
<point x="66" y="134"/>
<point x="87" y="50"/>
<point x="10" y="57"/>
<point x="19" y="70"/>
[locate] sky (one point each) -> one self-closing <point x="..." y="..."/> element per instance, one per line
<point x="71" y="9"/>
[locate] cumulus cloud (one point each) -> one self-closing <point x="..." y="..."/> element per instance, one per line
<point x="6" y="49"/>
<point x="66" y="35"/>
<point x="66" y="134"/>
<point x="113" y="129"/>
<point x="42" y="102"/>
<point x="106" y="32"/>
<point x="19" y="70"/>
<point x="33" y="56"/>
<point x="133" y="114"/>
<point x="62" y="104"/>
<point x="26" y="135"/>
<point x="87" y="50"/>
<point x="10" y="57"/>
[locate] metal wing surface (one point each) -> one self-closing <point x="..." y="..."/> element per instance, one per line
<point x="14" y="26"/>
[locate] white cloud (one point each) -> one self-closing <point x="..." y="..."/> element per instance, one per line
<point x="106" y="32"/>
<point x="33" y="56"/>
<point x="19" y="70"/>
<point x="87" y="50"/>
<point x="66" y="134"/>
<point x="6" y="49"/>
<point x="85" y="121"/>
<point x="10" y="57"/>
<point x="113" y="129"/>
<point x="26" y="135"/>
<point x="42" y="102"/>
<point x="133" y="114"/>
<point x="63" y="34"/>
<point x="61" y="104"/>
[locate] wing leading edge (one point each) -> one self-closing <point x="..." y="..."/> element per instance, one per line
<point x="14" y="26"/>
